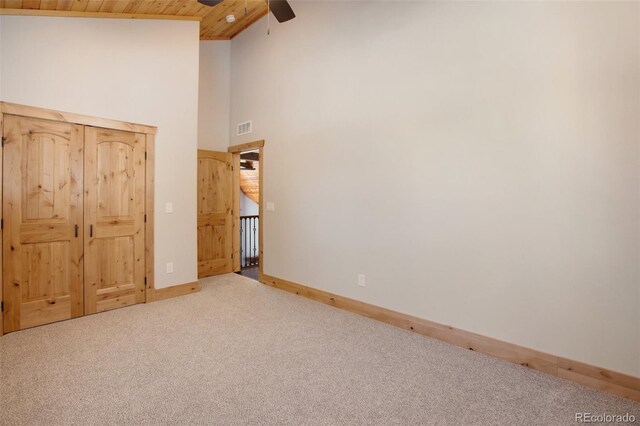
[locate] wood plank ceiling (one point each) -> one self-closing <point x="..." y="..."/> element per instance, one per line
<point x="213" y="24"/>
<point x="250" y="182"/>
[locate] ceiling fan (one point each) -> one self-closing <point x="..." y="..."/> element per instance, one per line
<point x="280" y="8"/>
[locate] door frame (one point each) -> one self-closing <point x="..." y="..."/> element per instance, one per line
<point x="236" y="150"/>
<point x="86" y="120"/>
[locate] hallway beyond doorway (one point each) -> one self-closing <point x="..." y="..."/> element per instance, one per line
<point x="249" y="272"/>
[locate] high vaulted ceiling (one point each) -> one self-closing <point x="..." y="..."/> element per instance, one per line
<point x="213" y="24"/>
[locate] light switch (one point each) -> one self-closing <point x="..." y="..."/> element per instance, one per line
<point x="169" y="208"/>
<point x="271" y="206"/>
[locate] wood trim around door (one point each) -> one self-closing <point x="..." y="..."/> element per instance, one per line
<point x="236" y="150"/>
<point x="249" y="146"/>
<point x="69" y="117"/>
<point x="150" y="131"/>
<point x="150" y="156"/>
<point x="235" y="162"/>
<point x="261" y="213"/>
<point x="85" y="120"/>
<point x="1" y="231"/>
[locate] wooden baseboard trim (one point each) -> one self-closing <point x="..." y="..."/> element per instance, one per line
<point x="575" y="371"/>
<point x="176" y="290"/>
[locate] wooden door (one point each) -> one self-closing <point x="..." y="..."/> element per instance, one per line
<point x="215" y="215"/>
<point x="42" y="213"/>
<point x="114" y="219"/>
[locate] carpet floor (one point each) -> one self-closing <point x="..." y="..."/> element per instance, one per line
<point x="239" y="352"/>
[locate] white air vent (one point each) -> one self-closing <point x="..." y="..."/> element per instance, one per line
<point x="244" y="128"/>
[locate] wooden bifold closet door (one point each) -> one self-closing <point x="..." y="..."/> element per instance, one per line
<point x="43" y="223"/>
<point x="114" y="219"/>
<point x="73" y="219"/>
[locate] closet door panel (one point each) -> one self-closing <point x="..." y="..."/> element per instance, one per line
<point x="42" y="212"/>
<point x="114" y="216"/>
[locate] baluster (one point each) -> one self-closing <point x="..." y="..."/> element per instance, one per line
<point x="249" y="253"/>
<point x="241" y="245"/>
<point x="255" y="261"/>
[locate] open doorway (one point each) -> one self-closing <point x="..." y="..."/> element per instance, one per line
<point x="249" y="213"/>
<point x="247" y="230"/>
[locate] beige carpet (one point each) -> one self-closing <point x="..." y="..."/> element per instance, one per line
<point x="239" y="352"/>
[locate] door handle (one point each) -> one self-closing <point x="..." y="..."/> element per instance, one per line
<point x="76" y="230"/>
<point x="90" y="231"/>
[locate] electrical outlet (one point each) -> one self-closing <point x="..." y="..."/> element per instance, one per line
<point x="169" y="207"/>
<point x="361" y="281"/>
<point x="169" y="267"/>
<point x="271" y="206"/>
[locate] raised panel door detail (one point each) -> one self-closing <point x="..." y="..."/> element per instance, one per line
<point x="116" y="183"/>
<point x="215" y="216"/>
<point x="42" y="212"/>
<point x="114" y="216"/>
<point x="45" y="165"/>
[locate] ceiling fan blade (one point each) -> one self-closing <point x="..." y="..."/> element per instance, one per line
<point x="210" y="3"/>
<point x="281" y="10"/>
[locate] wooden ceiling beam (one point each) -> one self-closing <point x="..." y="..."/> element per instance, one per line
<point x="251" y="156"/>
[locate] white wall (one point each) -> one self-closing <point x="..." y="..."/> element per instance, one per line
<point x="514" y="125"/>
<point x="213" y="99"/>
<point x="248" y="207"/>
<point x="135" y="70"/>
